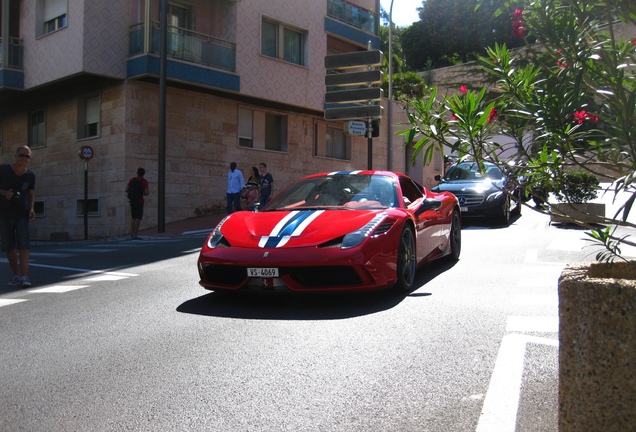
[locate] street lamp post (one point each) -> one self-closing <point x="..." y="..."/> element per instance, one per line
<point x="389" y="140"/>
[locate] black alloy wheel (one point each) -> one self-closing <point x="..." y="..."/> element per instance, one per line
<point x="406" y="261"/>
<point x="455" y="236"/>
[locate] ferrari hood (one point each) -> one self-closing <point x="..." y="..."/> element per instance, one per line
<point x="300" y="228"/>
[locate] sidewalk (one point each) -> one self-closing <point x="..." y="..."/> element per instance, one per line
<point x="187" y="226"/>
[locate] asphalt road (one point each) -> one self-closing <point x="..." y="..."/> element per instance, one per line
<point x="119" y="336"/>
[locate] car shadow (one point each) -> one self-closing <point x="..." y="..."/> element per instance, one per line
<point x="308" y="306"/>
<point x="487" y="223"/>
<point x="291" y="306"/>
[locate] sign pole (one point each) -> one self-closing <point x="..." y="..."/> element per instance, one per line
<point x="85" y="154"/>
<point x="369" y="145"/>
<point x="85" y="199"/>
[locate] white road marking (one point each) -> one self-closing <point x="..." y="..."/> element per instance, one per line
<point x="106" y="277"/>
<point x="499" y="412"/>
<point x="537" y="299"/>
<point x="58" y="289"/>
<point x="7" y="302"/>
<point x="533" y="324"/>
<point x="50" y="255"/>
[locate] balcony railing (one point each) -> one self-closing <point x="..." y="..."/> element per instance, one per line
<point x="15" y="54"/>
<point x="186" y="45"/>
<point x="352" y="14"/>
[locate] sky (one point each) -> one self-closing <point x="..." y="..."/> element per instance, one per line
<point x="404" y="11"/>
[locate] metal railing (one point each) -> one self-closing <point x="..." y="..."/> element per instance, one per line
<point x="186" y="45"/>
<point x="351" y="14"/>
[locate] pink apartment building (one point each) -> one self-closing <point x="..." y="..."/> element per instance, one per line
<point x="245" y="83"/>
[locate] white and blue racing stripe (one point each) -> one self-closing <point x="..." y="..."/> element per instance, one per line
<point x="291" y="225"/>
<point x="344" y="172"/>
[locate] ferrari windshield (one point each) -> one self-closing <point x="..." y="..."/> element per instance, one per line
<point x="472" y="171"/>
<point x="345" y="191"/>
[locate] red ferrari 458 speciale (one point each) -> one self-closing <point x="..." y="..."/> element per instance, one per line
<point x="336" y="231"/>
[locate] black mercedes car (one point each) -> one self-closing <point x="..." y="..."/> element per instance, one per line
<point x="481" y="192"/>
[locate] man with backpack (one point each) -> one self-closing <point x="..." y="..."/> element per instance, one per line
<point x="136" y="189"/>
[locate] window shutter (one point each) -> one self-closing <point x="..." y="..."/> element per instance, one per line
<point x="92" y="110"/>
<point x="54" y="9"/>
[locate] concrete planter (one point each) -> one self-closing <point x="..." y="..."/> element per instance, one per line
<point x="597" y="348"/>
<point x="572" y="212"/>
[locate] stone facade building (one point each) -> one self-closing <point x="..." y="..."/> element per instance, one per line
<point x="245" y="83"/>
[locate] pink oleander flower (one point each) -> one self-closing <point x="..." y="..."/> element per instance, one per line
<point x="562" y="64"/>
<point x="493" y="115"/>
<point x="454" y="117"/>
<point x="518" y="27"/>
<point x="463" y="89"/>
<point x="581" y="116"/>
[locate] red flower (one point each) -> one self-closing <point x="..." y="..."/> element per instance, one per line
<point x="518" y="28"/>
<point x="582" y="115"/>
<point x="454" y="117"/>
<point x="561" y="64"/>
<point x="463" y="89"/>
<point x="493" y="115"/>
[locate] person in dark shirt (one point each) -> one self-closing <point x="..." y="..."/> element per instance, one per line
<point x="17" y="197"/>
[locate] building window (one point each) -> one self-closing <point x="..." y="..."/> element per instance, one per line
<point x="275" y="132"/>
<point x="39" y="209"/>
<point x="88" y="117"/>
<point x="262" y="130"/>
<point x="246" y="128"/>
<point x="37" y="129"/>
<point x="283" y="42"/>
<point x="91" y="210"/>
<point x="330" y="141"/>
<point x="51" y="15"/>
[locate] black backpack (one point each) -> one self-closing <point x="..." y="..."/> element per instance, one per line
<point x="135" y="190"/>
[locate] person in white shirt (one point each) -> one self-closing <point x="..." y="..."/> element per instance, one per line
<point x="235" y="183"/>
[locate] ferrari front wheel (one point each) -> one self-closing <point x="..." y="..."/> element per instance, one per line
<point x="406" y="261"/>
<point x="455" y="236"/>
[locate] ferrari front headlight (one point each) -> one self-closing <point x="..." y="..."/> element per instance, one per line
<point x="215" y="236"/>
<point x="356" y="237"/>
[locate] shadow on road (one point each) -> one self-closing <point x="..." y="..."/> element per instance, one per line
<point x="290" y="306"/>
<point x="307" y="306"/>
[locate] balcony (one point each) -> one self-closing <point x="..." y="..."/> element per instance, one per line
<point x="351" y="22"/>
<point x="202" y="59"/>
<point x="352" y="15"/>
<point x="11" y="66"/>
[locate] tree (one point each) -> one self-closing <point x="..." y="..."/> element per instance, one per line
<point x="568" y="100"/>
<point x="453" y="31"/>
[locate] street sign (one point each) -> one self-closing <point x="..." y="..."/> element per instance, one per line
<point x="353" y="113"/>
<point x="353" y="78"/>
<point x="355" y="95"/>
<point x="86" y="153"/>
<point x="353" y="59"/>
<point x="354" y="127"/>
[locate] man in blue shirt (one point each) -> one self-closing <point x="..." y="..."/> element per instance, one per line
<point x="235" y="183"/>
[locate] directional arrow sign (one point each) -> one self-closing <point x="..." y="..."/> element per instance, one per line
<point x="353" y="113"/>
<point x="355" y="95"/>
<point x="353" y="59"/>
<point x="353" y="78"/>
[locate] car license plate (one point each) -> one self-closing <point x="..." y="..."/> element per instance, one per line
<point x="463" y="209"/>
<point x="266" y="272"/>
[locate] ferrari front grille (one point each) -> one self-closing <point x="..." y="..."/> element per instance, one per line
<point x="223" y="275"/>
<point x="323" y="276"/>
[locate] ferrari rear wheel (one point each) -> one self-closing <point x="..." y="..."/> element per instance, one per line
<point x="406" y="261"/>
<point x="455" y="236"/>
